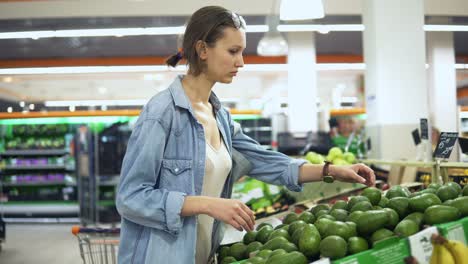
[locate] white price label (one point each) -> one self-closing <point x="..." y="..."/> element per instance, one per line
<point x="322" y="261"/>
<point x="421" y="246"/>
<point x="457" y="233"/>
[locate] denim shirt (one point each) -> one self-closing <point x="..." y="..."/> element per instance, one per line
<point x="165" y="161"/>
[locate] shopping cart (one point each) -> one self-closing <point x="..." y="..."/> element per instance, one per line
<point x="97" y="245"/>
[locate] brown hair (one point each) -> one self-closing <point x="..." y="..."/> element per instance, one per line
<point x="206" y="24"/>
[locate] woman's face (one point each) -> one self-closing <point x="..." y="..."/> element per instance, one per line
<point x="225" y="58"/>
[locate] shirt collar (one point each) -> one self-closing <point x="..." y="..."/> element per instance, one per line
<point x="181" y="99"/>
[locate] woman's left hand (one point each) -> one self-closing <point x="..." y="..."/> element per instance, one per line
<point x="358" y="173"/>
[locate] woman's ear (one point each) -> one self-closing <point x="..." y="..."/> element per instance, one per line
<point x="201" y="50"/>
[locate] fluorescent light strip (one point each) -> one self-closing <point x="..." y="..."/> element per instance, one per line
<point x="118" y="32"/>
<point x="320" y="28"/>
<point x="450" y="28"/>
<point x="95" y="103"/>
<point x="180" y="68"/>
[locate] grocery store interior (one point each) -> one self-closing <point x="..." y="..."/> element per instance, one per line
<point x="383" y="83"/>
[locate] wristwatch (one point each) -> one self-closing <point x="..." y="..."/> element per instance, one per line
<point x="326" y="177"/>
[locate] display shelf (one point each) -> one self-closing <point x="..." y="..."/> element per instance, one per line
<point x="39" y="184"/>
<point x="35" y="152"/>
<point x="43" y="207"/>
<point x="33" y="168"/>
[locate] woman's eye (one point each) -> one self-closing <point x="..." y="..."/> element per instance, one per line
<point x="233" y="51"/>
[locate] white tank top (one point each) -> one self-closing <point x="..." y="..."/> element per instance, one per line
<point x="217" y="167"/>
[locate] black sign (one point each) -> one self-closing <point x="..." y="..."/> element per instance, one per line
<point x="445" y="145"/>
<point x="369" y="146"/>
<point x="416" y="137"/>
<point x="463" y="144"/>
<point x="424" y="128"/>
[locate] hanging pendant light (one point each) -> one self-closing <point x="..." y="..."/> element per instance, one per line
<point x="272" y="43"/>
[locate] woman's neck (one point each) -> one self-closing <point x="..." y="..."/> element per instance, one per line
<point x="197" y="88"/>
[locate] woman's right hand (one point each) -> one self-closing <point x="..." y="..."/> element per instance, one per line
<point x="232" y="212"/>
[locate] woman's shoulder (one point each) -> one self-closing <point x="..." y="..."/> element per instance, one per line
<point x="159" y="107"/>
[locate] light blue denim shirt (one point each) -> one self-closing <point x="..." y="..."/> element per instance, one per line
<point x="165" y="161"/>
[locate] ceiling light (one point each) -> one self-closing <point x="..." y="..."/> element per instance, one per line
<point x="71" y="108"/>
<point x="301" y="9"/>
<point x="102" y="89"/>
<point x="91" y="69"/>
<point x="31" y="107"/>
<point x="272" y="45"/>
<point x="76" y="103"/>
<point x="454" y="28"/>
<point x="8" y="79"/>
<point x="22" y="103"/>
<point x="10" y="109"/>
<point x="104" y="108"/>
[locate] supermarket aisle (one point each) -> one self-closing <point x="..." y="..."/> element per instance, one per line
<point x="51" y="244"/>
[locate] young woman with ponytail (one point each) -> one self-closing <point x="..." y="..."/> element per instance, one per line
<point x="186" y="152"/>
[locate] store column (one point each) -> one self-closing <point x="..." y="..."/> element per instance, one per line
<point x="396" y="92"/>
<point x="302" y="82"/>
<point x="442" y="82"/>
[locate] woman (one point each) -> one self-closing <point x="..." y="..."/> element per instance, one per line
<point x="185" y="152"/>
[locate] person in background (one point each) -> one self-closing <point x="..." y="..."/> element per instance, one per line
<point x="185" y="153"/>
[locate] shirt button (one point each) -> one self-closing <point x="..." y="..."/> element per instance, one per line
<point x="176" y="170"/>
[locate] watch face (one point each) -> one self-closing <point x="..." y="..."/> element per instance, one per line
<point x="328" y="179"/>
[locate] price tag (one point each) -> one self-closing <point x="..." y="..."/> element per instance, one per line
<point x="424" y="128"/>
<point x="445" y="145"/>
<point x="416" y="138"/>
<point x="421" y="246"/>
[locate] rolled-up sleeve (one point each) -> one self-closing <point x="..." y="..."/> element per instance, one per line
<point x="268" y="166"/>
<point x="138" y="197"/>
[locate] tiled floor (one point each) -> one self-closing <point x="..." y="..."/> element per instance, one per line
<point x="40" y="243"/>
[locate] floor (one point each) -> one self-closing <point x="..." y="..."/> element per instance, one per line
<point x="40" y="243"/>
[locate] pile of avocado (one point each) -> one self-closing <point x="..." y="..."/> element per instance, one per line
<point x="349" y="227"/>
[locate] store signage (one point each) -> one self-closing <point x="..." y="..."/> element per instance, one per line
<point x="463" y="144"/>
<point x="445" y="145"/>
<point x="416" y="138"/>
<point x="421" y="246"/>
<point x="424" y="128"/>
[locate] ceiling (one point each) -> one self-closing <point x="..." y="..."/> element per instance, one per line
<point x="85" y="14"/>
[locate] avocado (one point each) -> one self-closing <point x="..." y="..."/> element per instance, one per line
<point x="417" y="217"/>
<point x="357" y="244"/>
<point x="362" y="206"/>
<point x="422" y="202"/>
<point x="290" y="258"/>
<point x="296" y="225"/>
<point x="279" y="233"/>
<point x="380" y="234"/>
<point x="373" y="194"/>
<point x="238" y="251"/>
<point x="461" y="203"/>
<point x="352" y="217"/>
<point x="264" y="233"/>
<point x="307" y="217"/>
<point x="446" y="193"/>
<point x="340" y="229"/>
<point x="340" y="204"/>
<point x="318" y="208"/>
<point x="252" y="247"/>
<point x="250" y="237"/>
<point x="275" y="243"/>
<point x="356" y="199"/>
<point x="333" y="247"/>
<point x="406" y="228"/>
<point x="371" y="221"/>
<point x="400" y="205"/>
<point x="339" y="214"/>
<point x="438" y="214"/>
<point x="309" y="244"/>
<point x="289" y="218"/>
<point x="393" y="218"/>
